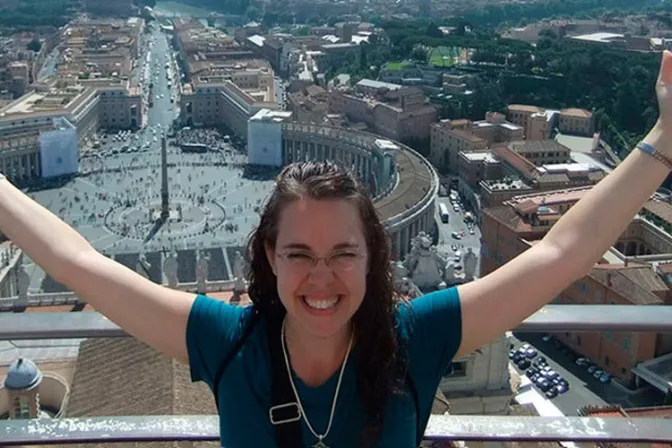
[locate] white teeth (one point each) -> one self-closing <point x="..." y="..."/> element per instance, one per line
<point x="321" y="304"/>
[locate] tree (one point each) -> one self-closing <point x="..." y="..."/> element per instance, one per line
<point x="34" y="45"/>
<point x="433" y="31"/>
<point x="252" y="13"/>
<point x="419" y="53"/>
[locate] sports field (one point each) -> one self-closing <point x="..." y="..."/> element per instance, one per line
<point x="444" y="56"/>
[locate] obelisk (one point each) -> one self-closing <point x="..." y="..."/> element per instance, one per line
<point x="165" y="208"/>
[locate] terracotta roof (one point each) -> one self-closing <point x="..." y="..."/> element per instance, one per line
<point x="524" y="108"/>
<point x="517" y="161"/>
<point x="635" y="282"/>
<point x="659" y="208"/>
<point x="122" y="376"/>
<point x="465" y="135"/>
<point x="527" y="206"/>
<point x="538" y="146"/>
<point x="507" y="216"/>
<point x="574" y="112"/>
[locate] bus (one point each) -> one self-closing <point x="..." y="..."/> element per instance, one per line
<point x="443" y="211"/>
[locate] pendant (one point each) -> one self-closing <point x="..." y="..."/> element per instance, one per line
<point x="320" y="444"/>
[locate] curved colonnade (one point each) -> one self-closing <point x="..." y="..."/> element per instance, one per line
<point x="404" y="184"/>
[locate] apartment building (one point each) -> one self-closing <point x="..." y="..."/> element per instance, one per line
<point x="576" y="122"/>
<point x="100" y="48"/>
<point x="230" y="99"/>
<point x="539" y="123"/>
<point x="27" y="125"/>
<point x="522" y="175"/>
<point x="202" y="49"/>
<point x="450" y="137"/>
<point x="623" y="276"/>
<point x="391" y="110"/>
<point x="477" y="166"/>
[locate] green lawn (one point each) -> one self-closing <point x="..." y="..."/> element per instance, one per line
<point x="444" y="56"/>
<point x="395" y="65"/>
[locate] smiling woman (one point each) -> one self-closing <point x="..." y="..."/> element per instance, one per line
<point x="362" y="367"/>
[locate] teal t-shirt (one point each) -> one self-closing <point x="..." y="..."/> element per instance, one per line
<point x="432" y="324"/>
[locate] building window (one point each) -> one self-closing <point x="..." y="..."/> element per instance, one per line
<point x="626" y="343"/>
<point x="606" y="361"/>
<point x="22" y="407"/>
<point x="578" y="340"/>
<point x="457" y="370"/>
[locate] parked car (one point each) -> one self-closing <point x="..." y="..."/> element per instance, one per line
<point x="540" y="361"/>
<point x="605" y="378"/>
<point x="523" y="364"/>
<point x="543" y="384"/>
<point x="551" y="393"/>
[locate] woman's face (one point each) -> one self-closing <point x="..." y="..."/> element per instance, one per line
<point x="322" y="296"/>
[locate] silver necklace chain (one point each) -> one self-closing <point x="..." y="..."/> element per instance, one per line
<point x="320" y="437"/>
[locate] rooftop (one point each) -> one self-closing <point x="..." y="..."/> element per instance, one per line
<point x="484" y="156"/>
<point x="598" y="37"/>
<point x="524" y="108"/>
<point x="267" y="115"/>
<point x="370" y="83"/>
<point x="536" y="146"/>
<point x="575" y="112"/>
<point x="660" y="208"/>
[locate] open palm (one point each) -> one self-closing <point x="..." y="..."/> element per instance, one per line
<point x="664" y="90"/>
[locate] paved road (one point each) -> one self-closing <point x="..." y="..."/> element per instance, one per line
<point x="456" y="224"/>
<point x="49" y="66"/>
<point x="584" y="389"/>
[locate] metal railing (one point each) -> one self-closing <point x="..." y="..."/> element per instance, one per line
<point x="551" y="318"/>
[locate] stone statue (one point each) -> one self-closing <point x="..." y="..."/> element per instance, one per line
<point x="23" y="282"/>
<point x="449" y="273"/>
<point x="142" y="267"/>
<point x="202" y="270"/>
<point x="170" y="268"/>
<point x="424" y="263"/>
<point x="240" y="284"/>
<point x="470" y="262"/>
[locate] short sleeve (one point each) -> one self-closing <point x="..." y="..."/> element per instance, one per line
<point x="212" y="329"/>
<point x="435" y="324"/>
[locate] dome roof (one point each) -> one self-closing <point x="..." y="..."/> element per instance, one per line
<point x="23" y="374"/>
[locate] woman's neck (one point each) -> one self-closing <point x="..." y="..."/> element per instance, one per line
<point x="315" y="360"/>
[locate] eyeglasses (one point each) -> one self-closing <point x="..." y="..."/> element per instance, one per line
<point x="341" y="261"/>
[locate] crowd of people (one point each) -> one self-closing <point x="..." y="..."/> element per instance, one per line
<point x="209" y="138"/>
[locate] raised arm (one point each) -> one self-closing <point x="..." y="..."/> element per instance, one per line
<point x="501" y="300"/>
<point x="154" y="314"/>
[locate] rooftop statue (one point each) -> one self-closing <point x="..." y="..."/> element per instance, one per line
<point x="424" y="263"/>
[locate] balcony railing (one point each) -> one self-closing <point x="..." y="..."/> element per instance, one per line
<point x="552" y="318"/>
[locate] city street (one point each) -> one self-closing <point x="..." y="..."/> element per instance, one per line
<point x="456" y="224"/>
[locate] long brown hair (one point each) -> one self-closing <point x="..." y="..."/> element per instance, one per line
<point x="380" y="364"/>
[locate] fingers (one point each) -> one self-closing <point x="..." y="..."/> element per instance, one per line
<point x="665" y="75"/>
